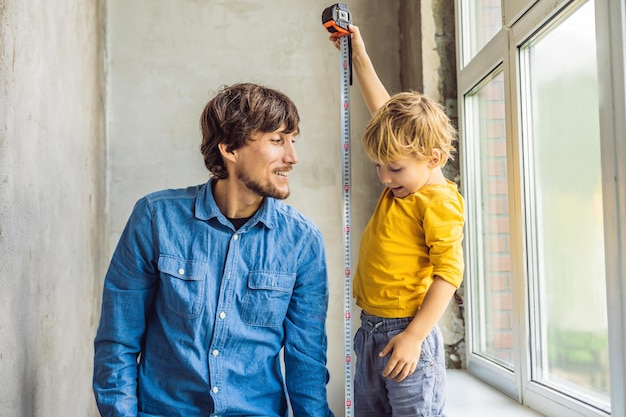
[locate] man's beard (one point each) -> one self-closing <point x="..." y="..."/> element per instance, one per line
<point x="267" y="190"/>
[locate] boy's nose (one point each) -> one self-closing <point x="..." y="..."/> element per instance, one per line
<point x="383" y="177"/>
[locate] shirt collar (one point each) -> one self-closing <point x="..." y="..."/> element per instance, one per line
<point x="206" y="208"/>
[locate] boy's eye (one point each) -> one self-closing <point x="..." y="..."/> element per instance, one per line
<point x="387" y="167"/>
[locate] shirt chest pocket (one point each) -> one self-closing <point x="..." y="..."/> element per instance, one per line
<point x="267" y="298"/>
<point x="183" y="283"/>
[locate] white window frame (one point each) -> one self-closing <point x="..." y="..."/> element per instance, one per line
<point x="521" y="20"/>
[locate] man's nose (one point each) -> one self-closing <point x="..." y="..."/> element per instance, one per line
<point x="291" y="156"/>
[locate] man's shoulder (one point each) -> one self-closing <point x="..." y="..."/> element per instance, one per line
<point x="166" y="200"/>
<point x="292" y="215"/>
<point x="173" y="195"/>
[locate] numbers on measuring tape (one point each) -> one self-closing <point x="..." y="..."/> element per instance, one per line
<point x="336" y="19"/>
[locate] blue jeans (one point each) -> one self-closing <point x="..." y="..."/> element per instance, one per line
<point x="421" y="394"/>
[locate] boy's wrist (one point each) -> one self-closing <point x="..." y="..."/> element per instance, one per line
<point x="416" y="333"/>
<point x="359" y="58"/>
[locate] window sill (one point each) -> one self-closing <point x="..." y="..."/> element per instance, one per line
<point x="471" y="397"/>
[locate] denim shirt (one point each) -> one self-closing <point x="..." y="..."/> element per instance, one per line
<point x="196" y="315"/>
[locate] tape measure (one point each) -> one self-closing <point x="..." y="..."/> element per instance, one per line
<point x="336" y="19"/>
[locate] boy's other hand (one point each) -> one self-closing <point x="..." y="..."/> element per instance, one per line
<point x="405" y="352"/>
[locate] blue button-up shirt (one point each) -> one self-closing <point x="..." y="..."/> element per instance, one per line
<point x="195" y="313"/>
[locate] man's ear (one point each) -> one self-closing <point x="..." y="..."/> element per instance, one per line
<point x="435" y="160"/>
<point x="226" y="154"/>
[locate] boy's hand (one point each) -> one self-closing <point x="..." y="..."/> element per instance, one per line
<point x="358" y="46"/>
<point x="405" y="352"/>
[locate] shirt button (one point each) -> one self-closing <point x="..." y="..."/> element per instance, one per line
<point x="236" y="237"/>
<point x="215" y="390"/>
<point x="222" y="315"/>
<point x="215" y="352"/>
<point x="181" y="271"/>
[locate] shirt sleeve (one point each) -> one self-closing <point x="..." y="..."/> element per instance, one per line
<point x="127" y="297"/>
<point x="306" y="374"/>
<point x="443" y="227"/>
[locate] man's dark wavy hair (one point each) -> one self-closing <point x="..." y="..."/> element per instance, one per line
<point x="238" y="111"/>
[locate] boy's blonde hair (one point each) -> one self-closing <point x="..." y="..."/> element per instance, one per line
<point x="409" y="124"/>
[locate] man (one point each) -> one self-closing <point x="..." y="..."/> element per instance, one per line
<point x="208" y="284"/>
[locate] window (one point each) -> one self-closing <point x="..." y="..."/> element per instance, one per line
<point x="482" y="19"/>
<point x="540" y="146"/>
<point x="564" y="215"/>
<point x="490" y="246"/>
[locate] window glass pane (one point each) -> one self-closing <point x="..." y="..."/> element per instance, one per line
<point x="491" y="264"/>
<point x="569" y="298"/>
<point x="482" y="19"/>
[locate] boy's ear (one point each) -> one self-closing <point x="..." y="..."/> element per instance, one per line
<point x="435" y="160"/>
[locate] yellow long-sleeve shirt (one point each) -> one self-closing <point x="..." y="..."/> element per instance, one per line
<point x="407" y="242"/>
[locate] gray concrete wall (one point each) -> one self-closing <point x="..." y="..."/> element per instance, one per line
<point x="51" y="199"/>
<point x="162" y="59"/>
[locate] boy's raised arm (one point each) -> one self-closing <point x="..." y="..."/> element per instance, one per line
<point x="372" y="89"/>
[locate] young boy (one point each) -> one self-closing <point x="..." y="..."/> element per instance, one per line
<point x="410" y="259"/>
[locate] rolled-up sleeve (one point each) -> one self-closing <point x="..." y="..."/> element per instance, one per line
<point x="443" y="226"/>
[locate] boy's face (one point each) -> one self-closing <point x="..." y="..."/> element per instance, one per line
<point x="405" y="176"/>
<point x="263" y="164"/>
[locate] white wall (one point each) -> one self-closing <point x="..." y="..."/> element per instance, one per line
<point x="165" y="58"/>
<point x="51" y="199"/>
